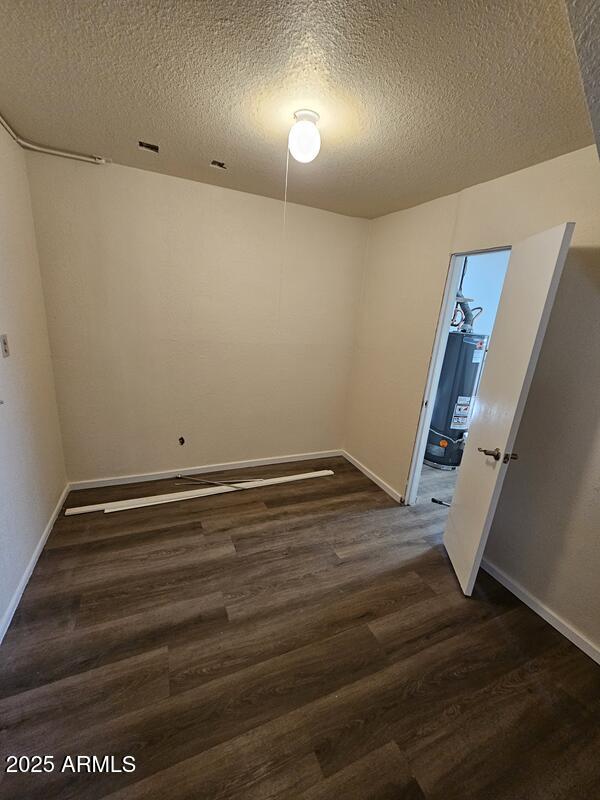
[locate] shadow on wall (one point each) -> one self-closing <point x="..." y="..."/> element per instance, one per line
<point x="545" y="533"/>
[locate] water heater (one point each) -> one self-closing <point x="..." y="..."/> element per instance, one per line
<point x="454" y="400"/>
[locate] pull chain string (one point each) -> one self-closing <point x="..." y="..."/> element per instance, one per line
<point x="287" y="165"/>
<point x="284" y="240"/>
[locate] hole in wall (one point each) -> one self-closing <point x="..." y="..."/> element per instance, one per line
<point x="154" y="148"/>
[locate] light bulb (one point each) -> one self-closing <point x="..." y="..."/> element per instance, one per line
<point x="304" y="141"/>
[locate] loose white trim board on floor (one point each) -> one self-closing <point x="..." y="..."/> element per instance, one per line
<point x="174" y="497"/>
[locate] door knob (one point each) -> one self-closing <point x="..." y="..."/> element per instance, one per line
<point x="495" y="454"/>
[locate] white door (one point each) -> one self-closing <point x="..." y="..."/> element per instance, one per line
<point x="528" y="293"/>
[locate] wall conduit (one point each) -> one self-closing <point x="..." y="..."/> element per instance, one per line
<point x="52" y="151"/>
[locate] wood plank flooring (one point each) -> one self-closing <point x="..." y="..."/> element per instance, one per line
<point x="306" y="641"/>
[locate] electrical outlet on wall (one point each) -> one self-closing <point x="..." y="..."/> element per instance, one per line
<point x="4" y="346"/>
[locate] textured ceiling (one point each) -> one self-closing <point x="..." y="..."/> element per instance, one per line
<point x="417" y="99"/>
<point x="585" y="25"/>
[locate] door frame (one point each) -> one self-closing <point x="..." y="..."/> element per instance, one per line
<point x="453" y="276"/>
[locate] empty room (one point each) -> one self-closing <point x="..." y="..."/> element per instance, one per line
<point x="299" y="419"/>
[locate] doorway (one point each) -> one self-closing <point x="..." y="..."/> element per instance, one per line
<point x="465" y="328"/>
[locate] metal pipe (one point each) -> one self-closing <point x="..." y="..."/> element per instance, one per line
<point x="52" y="151"/>
<point x="468" y="317"/>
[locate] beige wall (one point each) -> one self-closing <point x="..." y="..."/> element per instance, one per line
<point x="32" y="474"/>
<point x="172" y="313"/>
<point x="406" y="267"/>
<point x="546" y="533"/>
<point x="407" y="261"/>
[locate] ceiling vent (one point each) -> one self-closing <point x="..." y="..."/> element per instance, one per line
<point x="147" y="146"/>
<point x="218" y="164"/>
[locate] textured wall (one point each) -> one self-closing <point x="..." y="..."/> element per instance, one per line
<point x="32" y="473"/>
<point x="172" y="313"/>
<point x="546" y="532"/>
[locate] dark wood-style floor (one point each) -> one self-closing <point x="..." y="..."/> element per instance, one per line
<point x="305" y="640"/>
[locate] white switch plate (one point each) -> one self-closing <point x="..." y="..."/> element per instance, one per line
<point x="4" y="346"/>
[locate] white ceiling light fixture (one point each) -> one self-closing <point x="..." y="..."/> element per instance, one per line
<point x="304" y="141"/>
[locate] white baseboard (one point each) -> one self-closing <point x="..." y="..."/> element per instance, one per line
<point x="567" y="630"/>
<point x="15" y="599"/>
<point x="157" y="476"/>
<point x="372" y="476"/>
